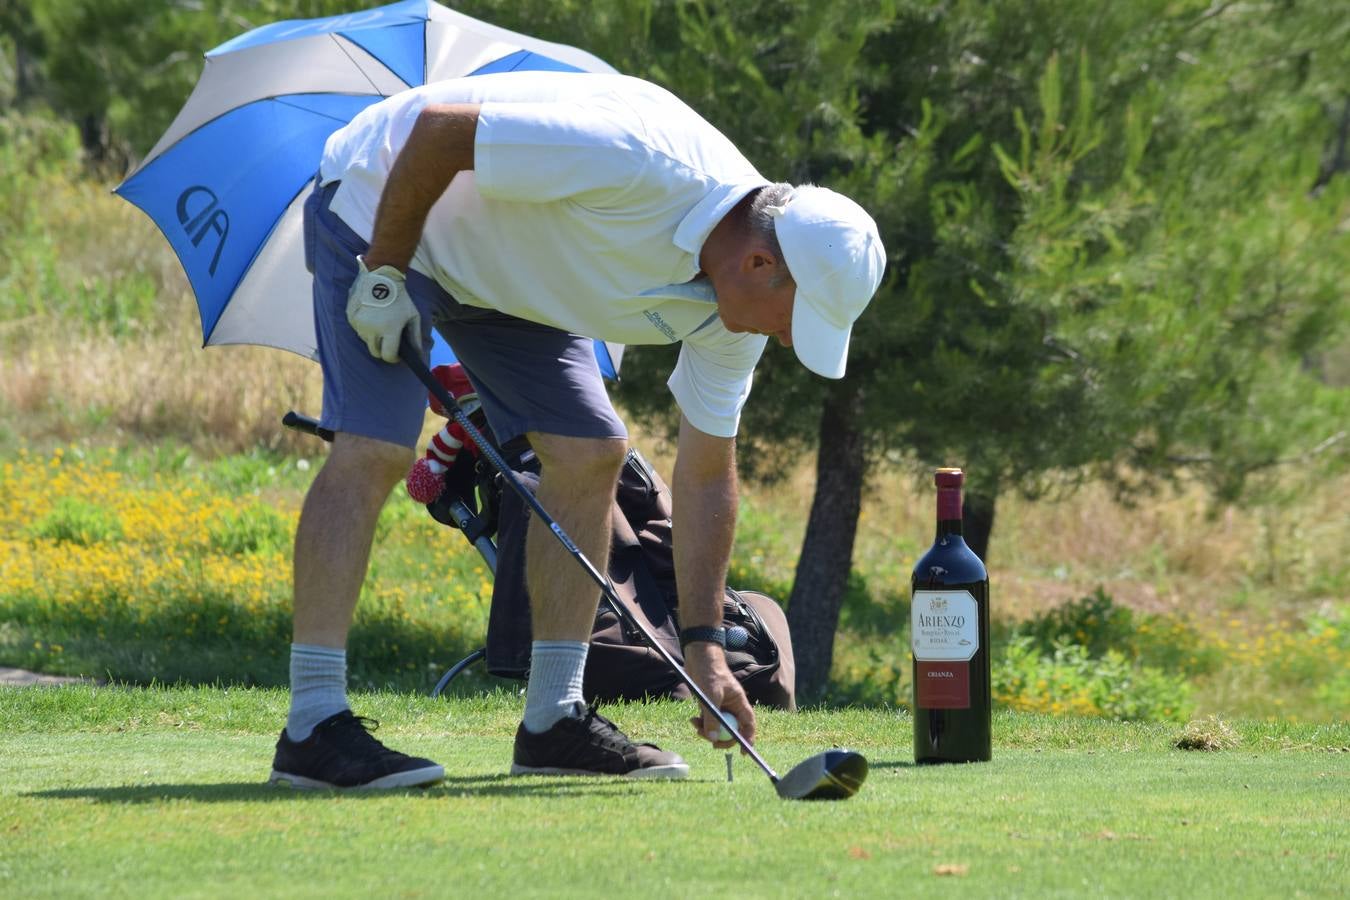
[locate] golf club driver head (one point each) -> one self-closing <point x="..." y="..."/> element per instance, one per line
<point x="832" y="775"/>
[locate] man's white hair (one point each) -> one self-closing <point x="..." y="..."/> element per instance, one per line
<point x="760" y="221"/>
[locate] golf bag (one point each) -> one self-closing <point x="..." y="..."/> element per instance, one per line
<point x="619" y="665"/>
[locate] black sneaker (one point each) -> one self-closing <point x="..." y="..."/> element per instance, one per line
<point x="340" y="753"/>
<point x="591" y="745"/>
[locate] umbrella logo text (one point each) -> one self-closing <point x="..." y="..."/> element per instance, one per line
<point x="203" y="219"/>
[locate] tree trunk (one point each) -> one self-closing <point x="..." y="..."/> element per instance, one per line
<point x="94" y="136"/>
<point x="977" y="521"/>
<point x="827" y="549"/>
<point x="23" y="80"/>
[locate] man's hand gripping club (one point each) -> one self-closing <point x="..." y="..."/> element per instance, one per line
<point x="380" y="310"/>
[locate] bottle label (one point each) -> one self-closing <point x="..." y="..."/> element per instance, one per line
<point x="944" y="625"/>
<point x="944" y="635"/>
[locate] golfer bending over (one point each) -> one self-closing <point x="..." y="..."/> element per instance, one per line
<point x="524" y="214"/>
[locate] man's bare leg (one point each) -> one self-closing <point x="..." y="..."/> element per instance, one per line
<point x="332" y="551"/>
<point x="558" y="736"/>
<point x="324" y="745"/>
<point x="337" y="526"/>
<point x="576" y="486"/>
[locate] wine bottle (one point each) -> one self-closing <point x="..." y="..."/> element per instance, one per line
<point x="949" y="636"/>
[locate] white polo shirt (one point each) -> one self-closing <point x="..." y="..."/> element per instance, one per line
<point x="589" y="202"/>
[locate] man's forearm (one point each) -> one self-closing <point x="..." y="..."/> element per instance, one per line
<point x="704" y="530"/>
<point x="439" y="147"/>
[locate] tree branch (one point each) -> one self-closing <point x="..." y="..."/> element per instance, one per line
<point x="1215" y="9"/>
<point x="1336" y="161"/>
<point x="1317" y="450"/>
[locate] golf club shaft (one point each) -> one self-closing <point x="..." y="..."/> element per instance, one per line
<point x="413" y="359"/>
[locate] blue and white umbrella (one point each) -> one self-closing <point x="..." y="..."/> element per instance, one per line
<point x="226" y="183"/>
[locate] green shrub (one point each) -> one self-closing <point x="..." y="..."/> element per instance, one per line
<point x="1313" y="658"/>
<point x="66" y="250"/>
<point x="1096" y="624"/>
<point x="1072" y="681"/>
<point x="76" y="521"/>
<point x="39" y="158"/>
<point x="1065" y="680"/>
<point x="37" y="146"/>
<point x="253" y="529"/>
<point x="1334" y="693"/>
<point x="870" y="673"/>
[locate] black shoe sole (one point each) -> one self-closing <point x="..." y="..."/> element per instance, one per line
<point x="674" y="771"/>
<point x="423" y="777"/>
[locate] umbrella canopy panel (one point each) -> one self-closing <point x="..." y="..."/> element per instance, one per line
<point x="322" y="64"/>
<point x="225" y="184"/>
<point x="218" y="194"/>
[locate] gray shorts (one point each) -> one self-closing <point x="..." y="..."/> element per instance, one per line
<point x="530" y="377"/>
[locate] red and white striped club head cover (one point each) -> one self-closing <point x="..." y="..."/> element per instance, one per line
<point x="454" y="380"/>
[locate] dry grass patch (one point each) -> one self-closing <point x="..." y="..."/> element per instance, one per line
<point x="160" y="385"/>
<point x="1209" y="734"/>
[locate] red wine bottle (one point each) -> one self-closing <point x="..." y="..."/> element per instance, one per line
<point x="949" y="636"/>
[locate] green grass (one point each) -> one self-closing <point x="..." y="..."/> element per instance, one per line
<point x="157" y="792"/>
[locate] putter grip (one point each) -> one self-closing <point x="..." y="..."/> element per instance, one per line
<point x="297" y="422"/>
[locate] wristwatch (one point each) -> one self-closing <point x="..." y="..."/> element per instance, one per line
<point x="713" y="635"/>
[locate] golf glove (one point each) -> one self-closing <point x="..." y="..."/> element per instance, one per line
<point x="380" y="310"/>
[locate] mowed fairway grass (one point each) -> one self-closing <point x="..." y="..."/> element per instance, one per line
<point x="159" y="793"/>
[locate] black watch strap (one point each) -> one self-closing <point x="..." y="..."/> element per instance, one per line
<point x="714" y="635"/>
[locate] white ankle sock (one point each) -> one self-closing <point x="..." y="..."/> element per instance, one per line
<point x="318" y="687"/>
<point x="557" y="669"/>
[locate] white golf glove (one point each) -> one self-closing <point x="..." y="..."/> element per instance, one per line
<point x="380" y="310"/>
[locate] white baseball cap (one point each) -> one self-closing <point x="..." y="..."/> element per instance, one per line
<point x="834" y="253"/>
